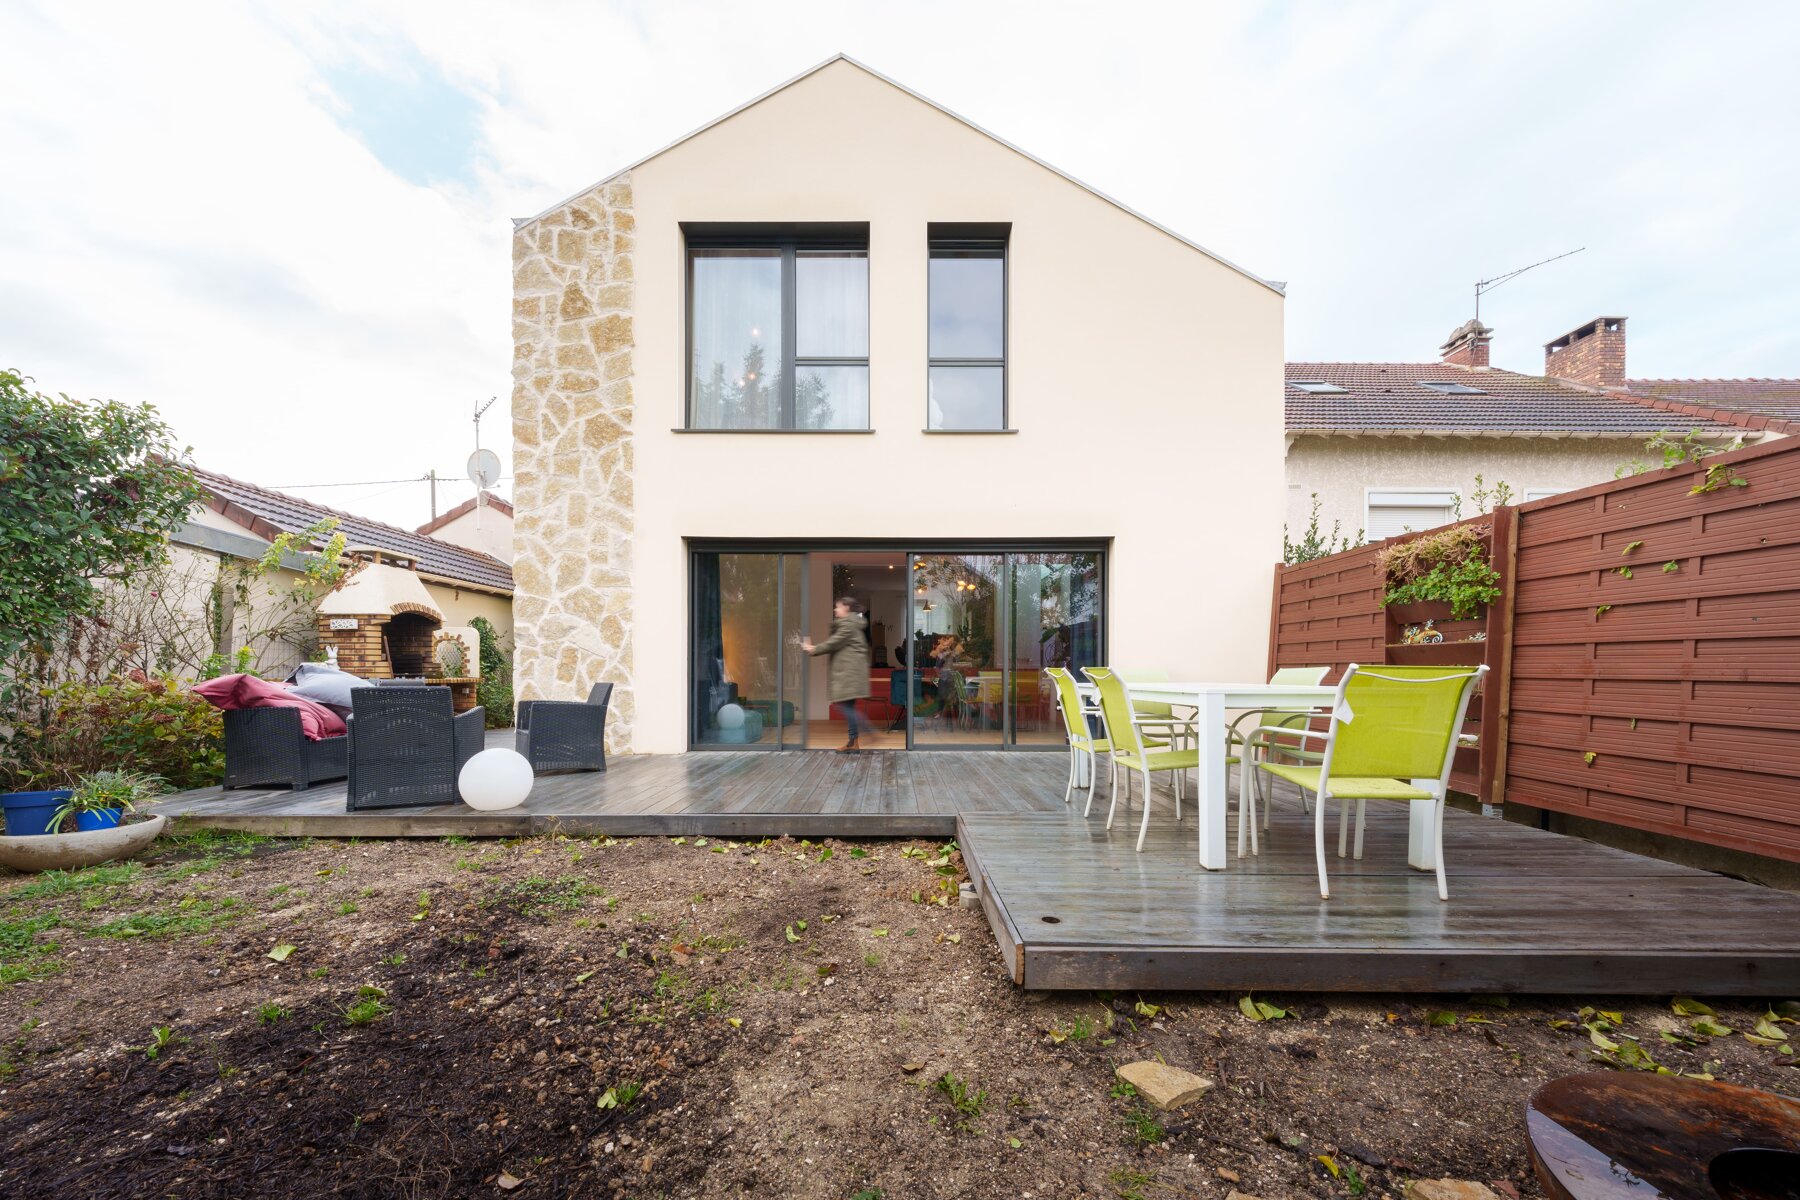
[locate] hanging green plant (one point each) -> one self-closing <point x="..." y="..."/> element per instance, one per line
<point x="1450" y="566"/>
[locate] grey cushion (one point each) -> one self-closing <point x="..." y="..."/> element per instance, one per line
<point x="325" y="684"/>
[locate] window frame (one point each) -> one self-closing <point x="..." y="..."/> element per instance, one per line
<point x="1369" y="494"/>
<point x="966" y="236"/>
<point x="790" y="241"/>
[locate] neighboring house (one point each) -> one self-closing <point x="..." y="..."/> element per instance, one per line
<point x="237" y="521"/>
<point x="1391" y="446"/>
<point x="842" y="341"/>
<point x="484" y="523"/>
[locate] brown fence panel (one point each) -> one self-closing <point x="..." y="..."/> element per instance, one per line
<point x="1328" y="613"/>
<point x="1661" y="696"/>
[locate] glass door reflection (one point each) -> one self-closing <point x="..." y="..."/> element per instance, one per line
<point x="958" y="649"/>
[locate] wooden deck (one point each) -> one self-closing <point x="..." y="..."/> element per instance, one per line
<point x="725" y="794"/>
<point x="1073" y="906"/>
<point x="1529" y="911"/>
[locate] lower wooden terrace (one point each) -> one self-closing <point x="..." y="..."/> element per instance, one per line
<point x="1073" y="906"/>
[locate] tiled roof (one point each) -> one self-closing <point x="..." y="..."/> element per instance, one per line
<point x="498" y="503"/>
<point x="1389" y="398"/>
<point x="1760" y="397"/>
<point x="268" y="513"/>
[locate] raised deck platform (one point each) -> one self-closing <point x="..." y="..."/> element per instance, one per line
<point x="1529" y="911"/>
<point x="723" y="794"/>
<point x="1073" y="906"/>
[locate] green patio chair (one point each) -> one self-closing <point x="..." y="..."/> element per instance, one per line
<point x="1270" y="723"/>
<point x="1392" y="737"/>
<point x="1075" y="713"/>
<point x="1131" y="750"/>
<point x="1158" y="715"/>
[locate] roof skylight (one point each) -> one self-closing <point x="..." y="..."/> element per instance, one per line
<point x="1451" y="389"/>
<point x="1317" y="387"/>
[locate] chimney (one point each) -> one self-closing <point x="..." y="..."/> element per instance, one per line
<point x="1468" y="345"/>
<point x="1592" y="354"/>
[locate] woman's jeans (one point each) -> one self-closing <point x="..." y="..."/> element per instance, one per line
<point x="853" y="718"/>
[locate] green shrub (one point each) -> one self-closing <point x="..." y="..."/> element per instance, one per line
<point x="495" y="691"/>
<point x="153" y="726"/>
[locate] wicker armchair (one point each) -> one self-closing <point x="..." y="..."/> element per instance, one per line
<point x="407" y="747"/>
<point x="561" y="735"/>
<point x="265" y="748"/>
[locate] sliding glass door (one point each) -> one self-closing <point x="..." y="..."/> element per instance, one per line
<point x="747" y="671"/>
<point x="959" y="622"/>
<point x="959" y="639"/>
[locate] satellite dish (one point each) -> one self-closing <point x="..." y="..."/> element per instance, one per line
<point x="484" y="468"/>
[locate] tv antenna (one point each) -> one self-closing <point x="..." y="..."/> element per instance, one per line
<point x="484" y="465"/>
<point x="1483" y="286"/>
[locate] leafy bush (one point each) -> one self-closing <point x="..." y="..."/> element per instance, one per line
<point x="137" y="724"/>
<point x="1314" y="543"/>
<point x="495" y="691"/>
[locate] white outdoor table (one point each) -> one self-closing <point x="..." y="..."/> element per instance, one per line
<point x="1212" y="700"/>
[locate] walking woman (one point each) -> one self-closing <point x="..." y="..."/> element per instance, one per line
<point x="848" y="647"/>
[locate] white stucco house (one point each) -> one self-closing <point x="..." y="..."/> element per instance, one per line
<point x="1391" y="446"/>
<point x="842" y="341"/>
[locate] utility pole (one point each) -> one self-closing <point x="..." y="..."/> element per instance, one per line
<point x="433" y="478"/>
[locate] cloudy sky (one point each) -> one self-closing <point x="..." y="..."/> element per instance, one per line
<point x="288" y="225"/>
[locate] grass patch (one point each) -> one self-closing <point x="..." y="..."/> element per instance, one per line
<point x="370" y="1006"/>
<point x="1144" y="1128"/>
<point x="190" y="915"/>
<point x="964" y="1098"/>
<point x="537" y="895"/>
<point x="269" y="1012"/>
<point x="215" y="842"/>
<point x="61" y="883"/>
<point x="23" y="958"/>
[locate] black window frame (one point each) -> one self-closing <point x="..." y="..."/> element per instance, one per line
<point x="967" y="237"/>
<point x="791" y="240"/>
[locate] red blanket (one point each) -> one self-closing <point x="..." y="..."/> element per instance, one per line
<point x="248" y="691"/>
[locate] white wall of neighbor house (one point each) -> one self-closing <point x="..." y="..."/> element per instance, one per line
<point x="486" y="529"/>
<point x="1345" y="470"/>
<point x="1145" y="383"/>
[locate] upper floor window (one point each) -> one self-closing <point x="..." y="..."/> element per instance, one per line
<point x="778" y="327"/>
<point x="1407" y="510"/>
<point x="967" y="335"/>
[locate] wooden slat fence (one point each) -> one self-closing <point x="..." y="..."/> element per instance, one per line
<point x="1661" y="698"/>
<point x="1664" y="701"/>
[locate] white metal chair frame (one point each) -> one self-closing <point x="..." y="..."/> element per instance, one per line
<point x="1439" y="788"/>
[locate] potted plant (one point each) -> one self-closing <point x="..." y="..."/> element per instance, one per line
<point x="29" y="814"/>
<point x="100" y="800"/>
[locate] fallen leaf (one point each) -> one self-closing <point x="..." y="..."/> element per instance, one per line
<point x="1014" y="1142"/>
<point x="912" y="1068"/>
<point x="1707" y="1027"/>
<point x="1438" y="1020"/>
<point x="735" y="1022"/>
<point x="281" y="952"/>
<point x="1331" y="1165"/>
<point x="507" y="1181"/>
<point x="584" y="977"/>
<point x="1600" y="1039"/>
<point x="1685" y="1006"/>
<point x="1148" y="1010"/>
<point x="791" y="935"/>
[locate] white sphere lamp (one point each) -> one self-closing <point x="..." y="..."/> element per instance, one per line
<point x="731" y="716"/>
<point x="495" y="779"/>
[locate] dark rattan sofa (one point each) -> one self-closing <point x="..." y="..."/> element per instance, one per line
<point x="407" y="747"/>
<point x="564" y="735"/>
<point x="265" y="748"/>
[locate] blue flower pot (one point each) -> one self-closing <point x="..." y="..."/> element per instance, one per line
<point x="28" y="813"/>
<point x="104" y="818"/>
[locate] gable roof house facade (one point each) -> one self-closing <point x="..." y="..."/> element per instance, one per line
<point x="1392" y="446"/>
<point x="842" y="342"/>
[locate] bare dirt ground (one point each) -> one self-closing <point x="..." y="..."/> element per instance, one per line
<point x="654" y="1017"/>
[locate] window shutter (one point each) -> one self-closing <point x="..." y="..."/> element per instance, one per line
<point x="1393" y="513"/>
